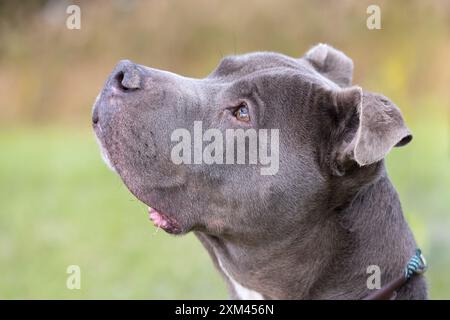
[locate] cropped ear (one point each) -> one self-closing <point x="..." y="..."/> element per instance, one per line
<point x="365" y="126"/>
<point x="331" y="63"/>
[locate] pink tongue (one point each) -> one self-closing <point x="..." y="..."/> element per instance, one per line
<point x="163" y="221"/>
<point x="157" y="218"/>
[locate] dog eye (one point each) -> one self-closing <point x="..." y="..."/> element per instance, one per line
<point x="242" y="113"/>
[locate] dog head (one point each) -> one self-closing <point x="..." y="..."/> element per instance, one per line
<point x="321" y="135"/>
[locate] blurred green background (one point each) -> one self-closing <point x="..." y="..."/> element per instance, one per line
<point x="61" y="206"/>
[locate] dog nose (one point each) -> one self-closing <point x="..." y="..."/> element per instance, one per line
<point x="126" y="76"/>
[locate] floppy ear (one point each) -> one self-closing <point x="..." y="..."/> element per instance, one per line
<point x="365" y="126"/>
<point x="331" y="63"/>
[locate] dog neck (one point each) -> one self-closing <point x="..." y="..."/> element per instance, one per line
<point x="326" y="257"/>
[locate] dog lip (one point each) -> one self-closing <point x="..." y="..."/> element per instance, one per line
<point x="163" y="221"/>
<point x="103" y="151"/>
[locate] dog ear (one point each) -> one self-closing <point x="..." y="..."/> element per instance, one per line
<point x="331" y="63"/>
<point x="365" y="126"/>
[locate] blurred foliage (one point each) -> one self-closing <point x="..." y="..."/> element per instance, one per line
<point x="60" y="205"/>
<point x="49" y="72"/>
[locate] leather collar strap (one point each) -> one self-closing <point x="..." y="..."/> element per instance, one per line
<point x="416" y="265"/>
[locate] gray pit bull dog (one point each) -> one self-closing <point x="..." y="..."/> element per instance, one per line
<point x="309" y="231"/>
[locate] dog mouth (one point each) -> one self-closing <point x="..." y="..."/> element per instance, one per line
<point x="160" y="219"/>
<point x="163" y="221"/>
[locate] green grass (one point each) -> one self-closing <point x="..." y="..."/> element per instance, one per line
<point x="61" y="206"/>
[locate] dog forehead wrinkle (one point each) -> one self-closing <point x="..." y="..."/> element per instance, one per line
<point x="248" y="77"/>
<point x="244" y="64"/>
